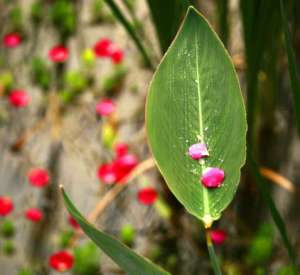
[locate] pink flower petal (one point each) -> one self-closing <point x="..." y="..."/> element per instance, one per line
<point x="105" y="107"/>
<point x="212" y="177"/>
<point x="198" y="151"/>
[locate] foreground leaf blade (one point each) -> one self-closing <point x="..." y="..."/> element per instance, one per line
<point x="195" y="95"/>
<point x="127" y="259"/>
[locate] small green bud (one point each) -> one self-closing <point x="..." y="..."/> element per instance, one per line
<point x="7" y="228"/>
<point x="8" y="247"/>
<point x="88" y="57"/>
<point x="127" y="234"/>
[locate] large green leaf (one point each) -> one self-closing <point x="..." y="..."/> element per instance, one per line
<point x="127" y="259"/>
<point x="195" y="95"/>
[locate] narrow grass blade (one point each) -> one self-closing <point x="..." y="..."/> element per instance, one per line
<point x="131" y="31"/>
<point x="167" y="16"/>
<point x="293" y="70"/>
<point x="126" y="258"/>
<point x="212" y="254"/>
<point x="264" y="190"/>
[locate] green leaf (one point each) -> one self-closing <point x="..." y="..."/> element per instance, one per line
<point x="195" y="95"/>
<point x="293" y="70"/>
<point x="166" y="16"/>
<point x="126" y="258"/>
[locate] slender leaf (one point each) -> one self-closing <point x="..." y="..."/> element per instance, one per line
<point x="130" y="30"/>
<point x="195" y="96"/>
<point x="167" y="16"/>
<point x="127" y="259"/>
<point x="264" y="190"/>
<point x="212" y="255"/>
<point x="293" y="70"/>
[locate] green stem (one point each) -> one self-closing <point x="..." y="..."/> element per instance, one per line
<point x="212" y="254"/>
<point x="129" y="28"/>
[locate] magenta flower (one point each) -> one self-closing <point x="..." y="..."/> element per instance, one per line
<point x="38" y="177"/>
<point x="18" y="98"/>
<point x="6" y="206"/>
<point x="12" y="40"/>
<point x="105" y="107"/>
<point x="58" y="54"/>
<point x="218" y="236"/>
<point x="34" y="214"/>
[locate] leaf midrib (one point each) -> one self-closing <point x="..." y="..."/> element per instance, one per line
<point x="203" y="166"/>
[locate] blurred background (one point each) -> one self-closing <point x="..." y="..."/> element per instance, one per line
<point x="73" y="85"/>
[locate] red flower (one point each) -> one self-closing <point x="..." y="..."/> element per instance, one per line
<point x="18" y="98"/>
<point x="218" y="236"/>
<point x="117" y="170"/>
<point x="105" y="107"/>
<point x="123" y="166"/>
<point x="61" y="261"/>
<point x="12" y="40"/>
<point x="58" y="54"/>
<point x="107" y="173"/>
<point x="6" y="206"/>
<point x="103" y="48"/>
<point x="117" y="56"/>
<point x="147" y="195"/>
<point x="73" y="222"/>
<point x="38" y="177"/>
<point x="121" y="149"/>
<point x="34" y="214"/>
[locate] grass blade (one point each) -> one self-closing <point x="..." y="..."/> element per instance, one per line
<point x="131" y="262"/>
<point x="212" y="254"/>
<point x="131" y="31"/>
<point x="264" y="190"/>
<point x="167" y="16"/>
<point x="293" y="70"/>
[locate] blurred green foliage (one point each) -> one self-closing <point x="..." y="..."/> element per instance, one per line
<point x="63" y="17"/>
<point x="127" y="234"/>
<point x="37" y="13"/>
<point x="87" y="259"/>
<point x="65" y="238"/>
<point x="261" y="246"/>
<point x="113" y="81"/>
<point x="7" y="228"/>
<point x="41" y="74"/>
<point x="8" y="248"/>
